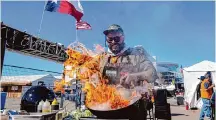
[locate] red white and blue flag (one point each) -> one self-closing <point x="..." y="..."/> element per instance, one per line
<point x="73" y="8"/>
<point x="82" y="25"/>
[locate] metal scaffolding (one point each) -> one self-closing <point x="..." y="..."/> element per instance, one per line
<point x="24" y="43"/>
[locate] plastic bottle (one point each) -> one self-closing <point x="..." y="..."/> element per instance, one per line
<point x="55" y="105"/>
<point x="46" y="107"/>
<point x="39" y="107"/>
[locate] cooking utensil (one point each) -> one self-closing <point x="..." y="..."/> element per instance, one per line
<point x="122" y="113"/>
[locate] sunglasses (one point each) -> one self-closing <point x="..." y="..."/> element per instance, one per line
<point x="115" y="39"/>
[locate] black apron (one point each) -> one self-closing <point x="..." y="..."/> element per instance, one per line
<point x="112" y="71"/>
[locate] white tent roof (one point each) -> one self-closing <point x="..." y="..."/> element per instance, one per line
<point x="26" y="78"/>
<point x="47" y="78"/>
<point x="202" y="66"/>
<point x="58" y="77"/>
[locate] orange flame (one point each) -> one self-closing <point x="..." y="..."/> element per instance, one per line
<point x="59" y="86"/>
<point x="86" y="67"/>
<point x="103" y="93"/>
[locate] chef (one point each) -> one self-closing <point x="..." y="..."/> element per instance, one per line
<point x="125" y="65"/>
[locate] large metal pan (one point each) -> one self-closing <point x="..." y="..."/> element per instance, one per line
<point x="124" y="113"/>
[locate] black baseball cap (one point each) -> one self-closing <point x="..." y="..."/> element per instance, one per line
<point x="113" y="28"/>
<point x="202" y="77"/>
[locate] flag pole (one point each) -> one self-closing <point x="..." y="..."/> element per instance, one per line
<point x="42" y="19"/>
<point x="76" y="80"/>
<point x="76" y="35"/>
<point x="76" y="31"/>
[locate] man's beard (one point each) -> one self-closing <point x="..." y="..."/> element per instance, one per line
<point x="116" y="48"/>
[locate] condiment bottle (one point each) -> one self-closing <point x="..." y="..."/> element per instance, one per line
<point x="46" y="107"/>
<point x="55" y="105"/>
<point x="39" y="107"/>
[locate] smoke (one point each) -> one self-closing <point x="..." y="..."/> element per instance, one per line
<point x="160" y="79"/>
<point x="102" y="107"/>
<point x="98" y="48"/>
<point x="125" y="93"/>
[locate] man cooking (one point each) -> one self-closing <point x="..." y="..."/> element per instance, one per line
<point x="123" y="65"/>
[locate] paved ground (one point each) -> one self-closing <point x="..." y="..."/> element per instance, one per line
<point x="14" y="103"/>
<point x="178" y="112"/>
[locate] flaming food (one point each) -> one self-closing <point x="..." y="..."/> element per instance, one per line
<point x="104" y="95"/>
<point x="86" y="67"/>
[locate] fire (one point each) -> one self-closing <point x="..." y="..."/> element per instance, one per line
<point x="58" y="86"/>
<point x="103" y="93"/>
<point x="86" y="67"/>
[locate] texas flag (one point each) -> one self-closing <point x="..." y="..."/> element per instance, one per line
<point x="73" y="7"/>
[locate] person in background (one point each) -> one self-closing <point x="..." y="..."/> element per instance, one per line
<point x="212" y="85"/>
<point x="206" y="93"/>
<point x="173" y="81"/>
<point x="199" y="86"/>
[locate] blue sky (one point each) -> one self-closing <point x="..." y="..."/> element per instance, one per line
<point x="179" y="32"/>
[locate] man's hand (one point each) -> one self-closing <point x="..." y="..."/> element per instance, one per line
<point x="126" y="79"/>
<point x="213" y="85"/>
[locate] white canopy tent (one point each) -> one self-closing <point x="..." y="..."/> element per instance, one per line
<point x="191" y="75"/>
<point x="48" y="79"/>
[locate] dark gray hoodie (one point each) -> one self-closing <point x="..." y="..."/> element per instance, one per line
<point x="133" y="61"/>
